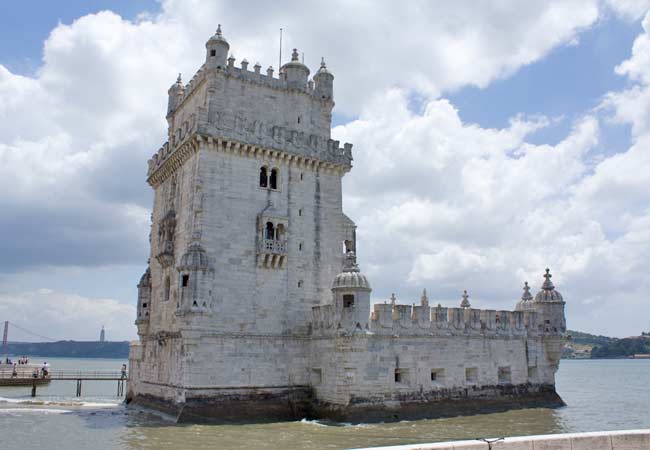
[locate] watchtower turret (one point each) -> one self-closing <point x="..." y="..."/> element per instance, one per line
<point x="216" y="50"/>
<point x="324" y="82"/>
<point x="351" y="292"/>
<point x="295" y="72"/>
<point x="175" y="93"/>
<point x="550" y="305"/>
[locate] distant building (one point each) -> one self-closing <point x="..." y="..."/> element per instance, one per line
<point x="102" y="335"/>
<point x="253" y="305"/>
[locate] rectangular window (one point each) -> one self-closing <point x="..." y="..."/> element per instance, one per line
<point x="186" y="280"/>
<point x="316" y="376"/>
<point x="348" y="301"/>
<point x="505" y="375"/>
<point x="401" y="376"/>
<point x="471" y="375"/>
<point x="438" y="377"/>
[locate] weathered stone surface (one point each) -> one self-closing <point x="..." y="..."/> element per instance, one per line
<point x="253" y="305"/>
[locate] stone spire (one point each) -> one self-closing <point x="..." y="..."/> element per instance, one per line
<point x="526" y="296"/>
<point x="548" y="284"/>
<point x="465" y="302"/>
<point x="424" y="300"/>
<point x="548" y="292"/>
<point x="393" y="299"/>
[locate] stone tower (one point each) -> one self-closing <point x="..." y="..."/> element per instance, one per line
<point x="247" y="232"/>
<point x="253" y="307"/>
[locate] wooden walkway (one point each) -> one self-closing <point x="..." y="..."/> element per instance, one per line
<point x="67" y="375"/>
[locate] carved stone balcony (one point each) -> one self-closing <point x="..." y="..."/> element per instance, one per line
<point x="272" y="253"/>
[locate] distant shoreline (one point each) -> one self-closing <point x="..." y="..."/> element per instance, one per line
<point x="70" y="349"/>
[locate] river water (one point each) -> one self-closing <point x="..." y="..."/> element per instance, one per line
<point x="601" y="395"/>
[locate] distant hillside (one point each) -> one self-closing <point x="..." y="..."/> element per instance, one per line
<point x="71" y="349"/>
<point x="622" y="348"/>
<point x="589" y="339"/>
<point x="585" y="346"/>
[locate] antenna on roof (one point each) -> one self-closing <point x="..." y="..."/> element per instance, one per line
<point x="280" y="58"/>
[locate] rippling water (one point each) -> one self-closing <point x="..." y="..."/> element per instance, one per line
<point x="601" y="395"/>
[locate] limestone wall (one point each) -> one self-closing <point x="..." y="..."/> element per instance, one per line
<point x="365" y="367"/>
<point x="605" y="440"/>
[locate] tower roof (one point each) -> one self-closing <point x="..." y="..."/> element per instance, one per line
<point x="217" y="37"/>
<point x="526" y="299"/>
<point x="195" y="258"/>
<point x="322" y="70"/>
<point x="351" y="277"/>
<point x="295" y="63"/>
<point x="548" y="292"/>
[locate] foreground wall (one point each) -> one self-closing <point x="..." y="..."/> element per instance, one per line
<point x="606" y="440"/>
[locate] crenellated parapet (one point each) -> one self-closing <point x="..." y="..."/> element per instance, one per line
<point x="424" y="320"/>
<point x="216" y="103"/>
<point x="411" y="320"/>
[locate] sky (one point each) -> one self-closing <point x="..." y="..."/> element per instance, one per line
<point x="490" y="141"/>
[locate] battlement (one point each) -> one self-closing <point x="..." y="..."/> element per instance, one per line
<point x="288" y="116"/>
<point x="411" y="320"/>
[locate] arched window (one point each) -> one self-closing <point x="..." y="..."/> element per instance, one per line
<point x="270" y="231"/>
<point x="263" y="177"/>
<point x="273" y="179"/>
<point x="167" y="289"/>
<point x="280" y="233"/>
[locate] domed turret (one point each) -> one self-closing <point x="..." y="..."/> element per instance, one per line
<point x="175" y="93"/>
<point x="295" y="72"/>
<point x="351" y="277"/>
<point x="526" y="302"/>
<point x="194" y="270"/>
<point x="195" y="258"/>
<point x="144" y="299"/>
<point x="352" y="295"/>
<point x="548" y="292"/>
<point x="324" y="82"/>
<point x="216" y="50"/>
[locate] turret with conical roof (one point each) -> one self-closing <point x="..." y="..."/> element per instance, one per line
<point x="324" y="82"/>
<point x="175" y="93"/>
<point x="216" y="50"/>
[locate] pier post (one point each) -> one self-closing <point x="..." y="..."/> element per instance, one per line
<point x="34" y="388"/>
<point x="78" y="388"/>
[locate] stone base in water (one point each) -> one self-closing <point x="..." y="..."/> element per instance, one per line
<point x="286" y="404"/>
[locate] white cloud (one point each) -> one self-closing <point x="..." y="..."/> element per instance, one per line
<point x="74" y="138"/>
<point x="631" y="9"/>
<point x="452" y="206"/>
<point x="62" y="316"/>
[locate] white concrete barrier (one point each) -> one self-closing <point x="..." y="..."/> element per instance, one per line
<point x="602" y="440"/>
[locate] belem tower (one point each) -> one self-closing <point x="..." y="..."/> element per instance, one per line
<point x="253" y="306"/>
